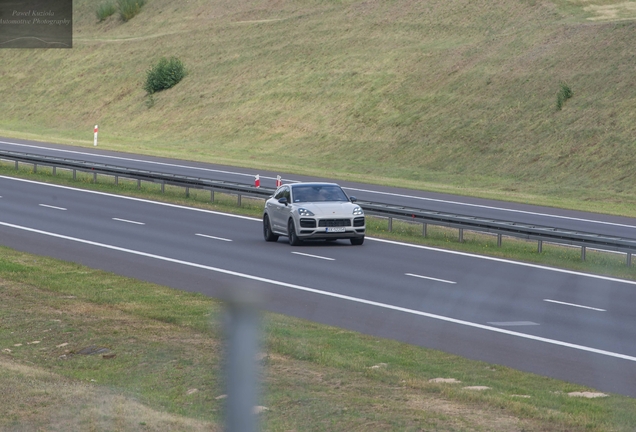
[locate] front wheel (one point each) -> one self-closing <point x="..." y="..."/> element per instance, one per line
<point x="267" y="230"/>
<point x="293" y="237"/>
<point x="357" y="241"/>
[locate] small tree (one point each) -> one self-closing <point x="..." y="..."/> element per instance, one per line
<point x="164" y="75"/>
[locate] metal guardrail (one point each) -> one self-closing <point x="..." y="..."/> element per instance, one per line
<point x="502" y="227"/>
<point x="461" y="222"/>
<point x="187" y="182"/>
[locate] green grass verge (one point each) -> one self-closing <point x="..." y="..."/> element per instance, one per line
<point x="166" y="373"/>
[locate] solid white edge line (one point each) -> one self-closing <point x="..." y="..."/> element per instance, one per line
<point x="133" y="199"/>
<point x="214" y="238"/>
<point x="329" y="294"/>
<point x="430" y="278"/>
<point x="574" y="305"/>
<point x="488" y="258"/>
<point x="51" y="207"/>
<point x="314" y="256"/>
<point x="348" y="188"/>
<point x="128" y="221"/>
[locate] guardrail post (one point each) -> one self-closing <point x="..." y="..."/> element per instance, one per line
<point x="35" y="167"/>
<point x="629" y="259"/>
<point x="212" y="195"/>
<point x="583" y="253"/>
<point x="540" y="246"/>
<point x="498" y="240"/>
<point x="16" y="164"/>
<point x="163" y="187"/>
<point x="54" y="169"/>
<point x="187" y="192"/>
<point x="241" y="364"/>
<point x="390" y="224"/>
<point x="239" y="200"/>
<point x="94" y="177"/>
<point x="461" y="235"/>
<point x="116" y="180"/>
<point x="424" y="229"/>
<point x="138" y="183"/>
<point x="74" y="174"/>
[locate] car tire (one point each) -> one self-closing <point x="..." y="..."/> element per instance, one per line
<point x="267" y="230"/>
<point x="293" y="237"/>
<point x="357" y="241"/>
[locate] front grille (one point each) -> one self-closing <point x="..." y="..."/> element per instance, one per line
<point x="308" y="223"/>
<point x="358" y="222"/>
<point x="334" y="222"/>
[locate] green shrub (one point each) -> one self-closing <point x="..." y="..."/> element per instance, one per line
<point x="129" y="8"/>
<point x="164" y="75"/>
<point x="105" y="10"/>
<point x="565" y="93"/>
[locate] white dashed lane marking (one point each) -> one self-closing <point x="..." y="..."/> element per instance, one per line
<point x="430" y="278"/>
<point x="51" y="207"/>
<point x="128" y="221"/>
<point x="575" y="305"/>
<point x="313" y="256"/>
<point x="214" y="238"/>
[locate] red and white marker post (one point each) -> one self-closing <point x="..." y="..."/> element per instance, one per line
<point x="95" y="136"/>
<point x="257" y="181"/>
<point x="279" y="181"/>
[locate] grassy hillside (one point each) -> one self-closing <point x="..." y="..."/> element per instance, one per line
<point x="456" y="96"/>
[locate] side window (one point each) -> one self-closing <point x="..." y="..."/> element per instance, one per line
<point x="280" y="193"/>
<point x="287" y="194"/>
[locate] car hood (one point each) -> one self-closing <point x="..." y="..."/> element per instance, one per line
<point x="336" y="209"/>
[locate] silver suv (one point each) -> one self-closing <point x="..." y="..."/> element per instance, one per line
<point x="308" y="211"/>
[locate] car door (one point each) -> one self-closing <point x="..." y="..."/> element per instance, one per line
<point x="277" y="211"/>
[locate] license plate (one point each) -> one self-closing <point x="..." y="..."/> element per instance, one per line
<point x="335" y="229"/>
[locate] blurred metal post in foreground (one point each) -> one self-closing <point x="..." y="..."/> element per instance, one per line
<point x="241" y="363"/>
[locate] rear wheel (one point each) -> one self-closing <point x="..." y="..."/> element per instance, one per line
<point x="357" y="241"/>
<point x="293" y="237"/>
<point x="267" y="230"/>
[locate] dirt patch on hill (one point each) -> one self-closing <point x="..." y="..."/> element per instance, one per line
<point x="612" y="12"/>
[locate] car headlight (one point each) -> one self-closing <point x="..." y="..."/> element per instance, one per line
<point x="304" y="212"/>
<point x="357" y="211"/>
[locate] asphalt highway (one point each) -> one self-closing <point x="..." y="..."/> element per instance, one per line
<point x="557" y="323"/>
<point x="527" y="214"/>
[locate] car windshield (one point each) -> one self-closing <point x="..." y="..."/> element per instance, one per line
<point x="317" y="193"/>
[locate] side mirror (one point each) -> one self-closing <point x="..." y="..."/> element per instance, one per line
<point x="283" y="200"/>
<point x="353" y="199"/>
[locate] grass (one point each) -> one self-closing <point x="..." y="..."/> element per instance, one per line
<point x="449" y="96"/>
<point x="129" y="8"/>
<point x="104" y="10"/>
<point x="165" y="374"/>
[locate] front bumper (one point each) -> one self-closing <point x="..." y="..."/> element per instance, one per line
<point x="331" y="228"/>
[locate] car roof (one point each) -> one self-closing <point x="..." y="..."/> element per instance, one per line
<point x="314" y="184"/>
